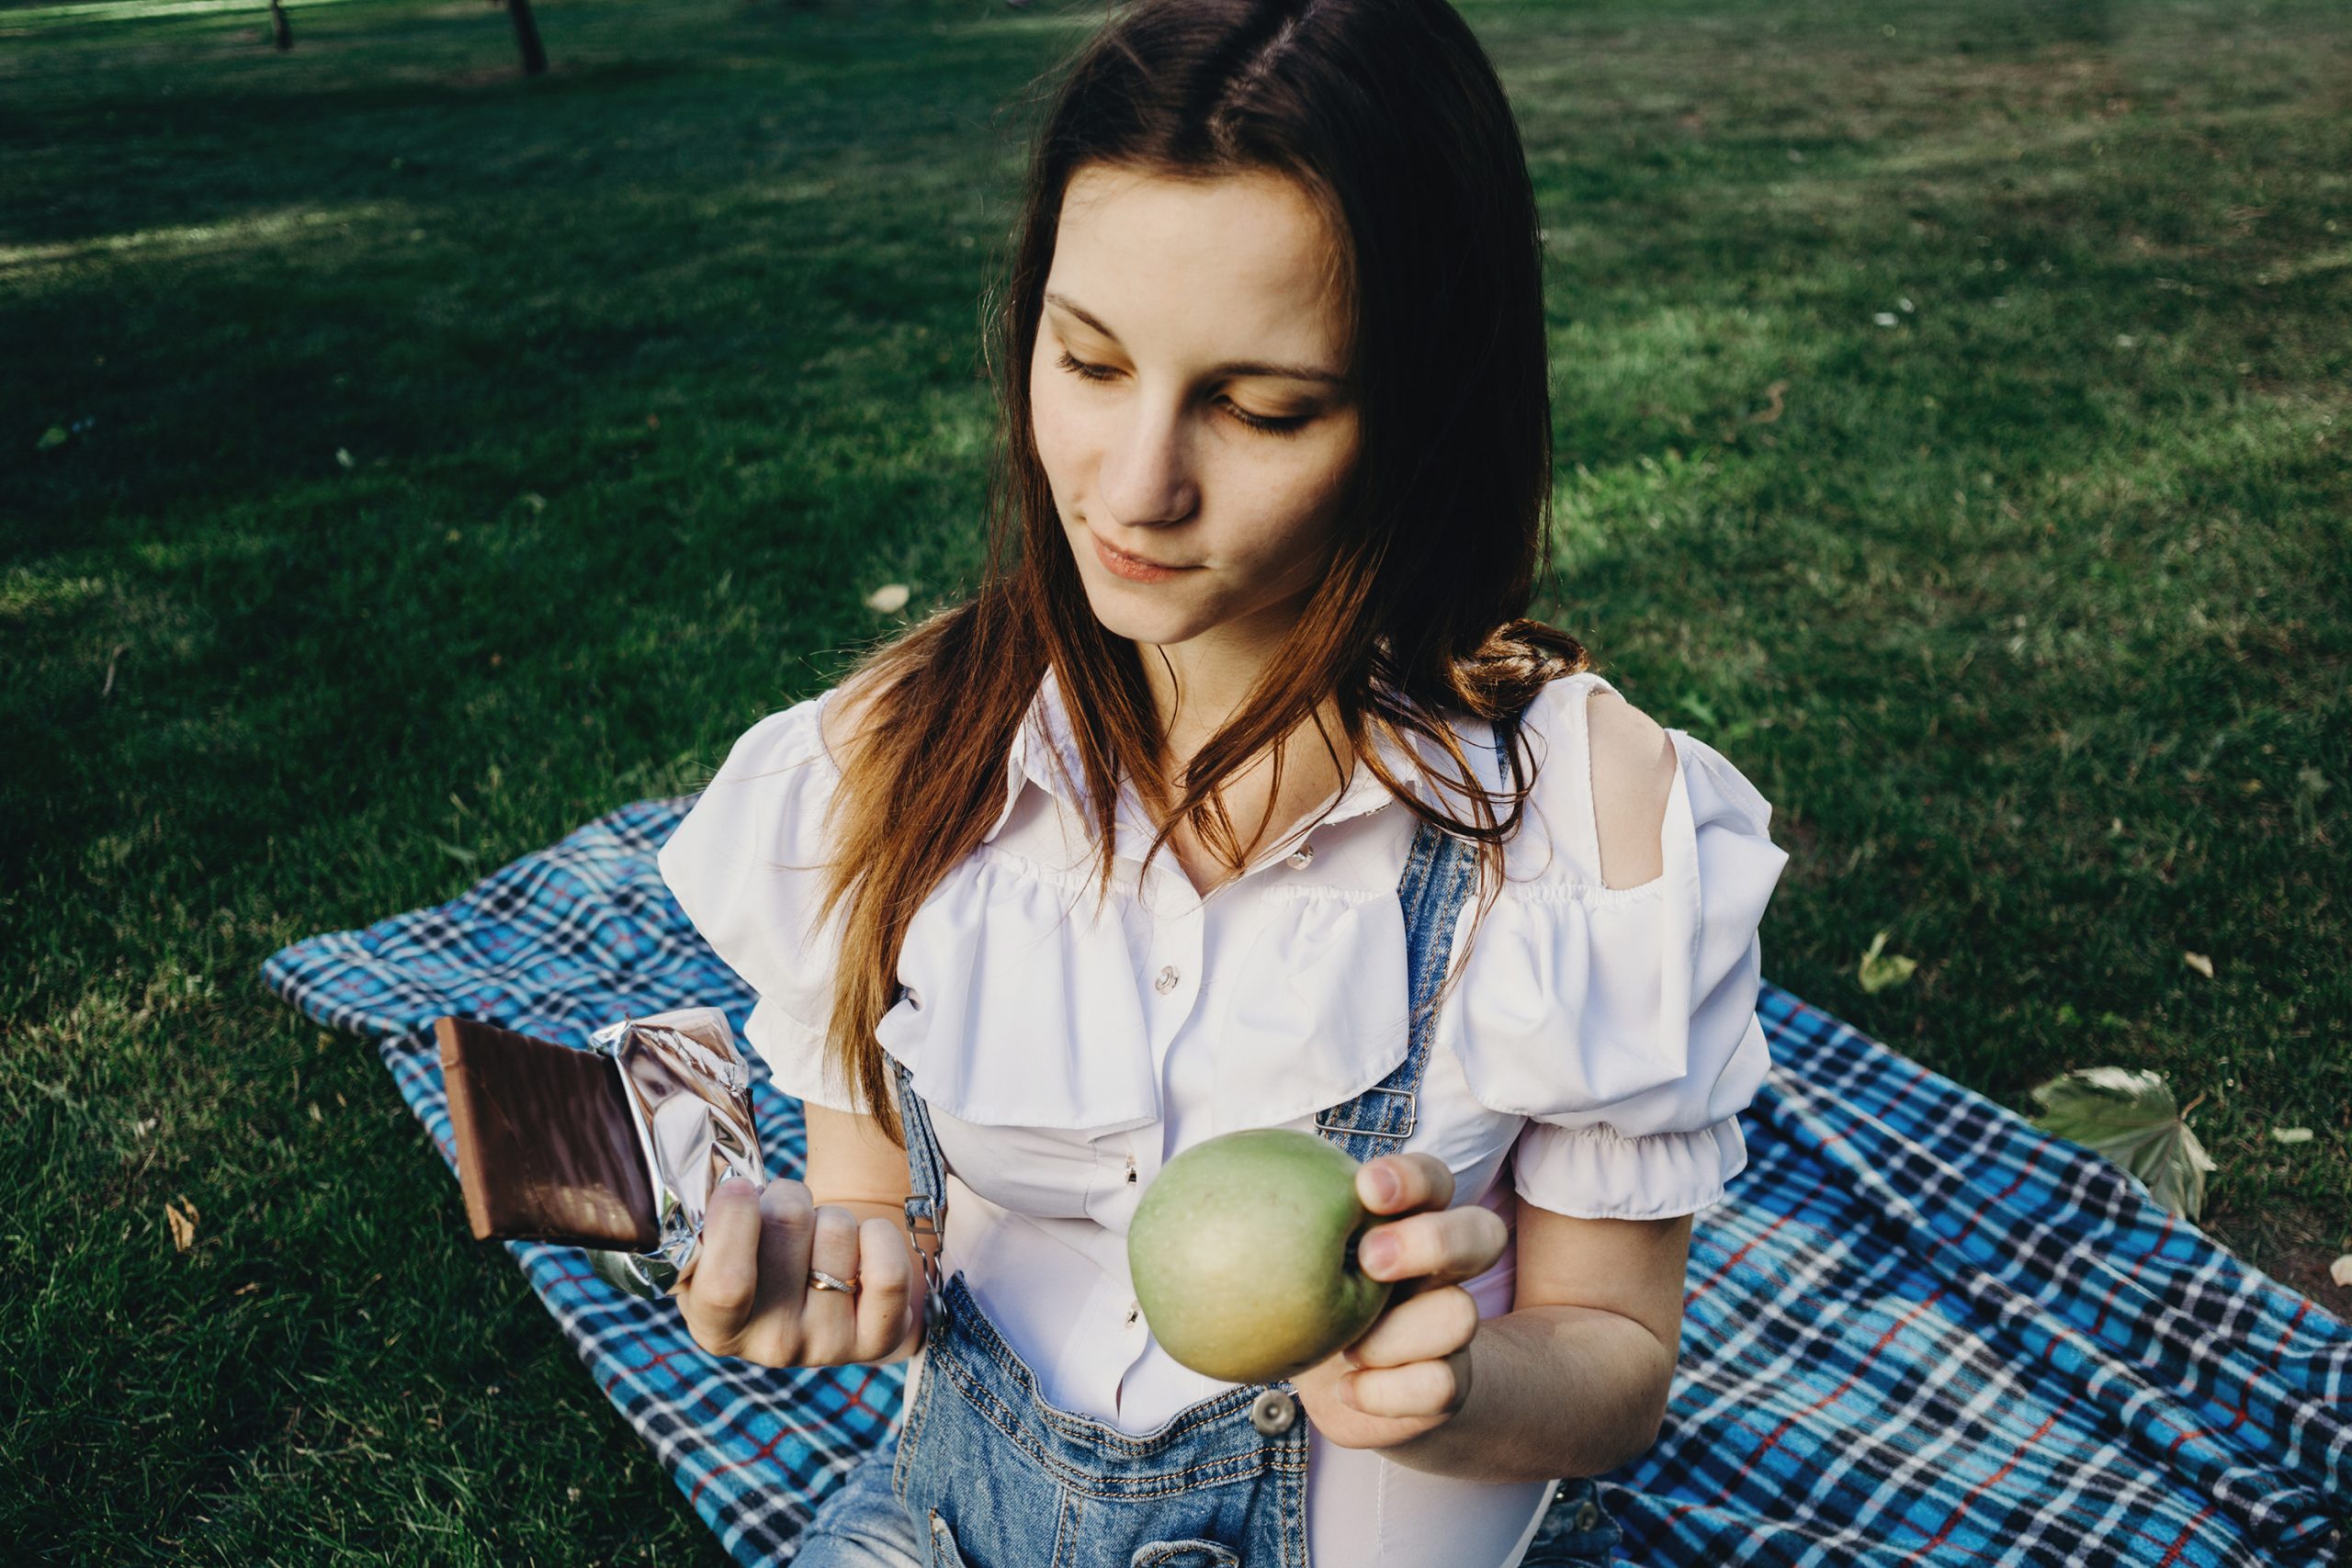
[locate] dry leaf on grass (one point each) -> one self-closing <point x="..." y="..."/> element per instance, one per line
<point x="1881" y="969"/>
<point x="181" y="1214"/>
<point x="890" y="598"/>
<point x="2341" y="1270"/>
<point x="2199" y="963"/>
<point x="2291" y="1134"/>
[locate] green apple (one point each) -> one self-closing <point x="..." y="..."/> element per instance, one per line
<point x="1243" y="1252"/>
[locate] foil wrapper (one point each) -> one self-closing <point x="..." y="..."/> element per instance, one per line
<point x="689" y="1090"/>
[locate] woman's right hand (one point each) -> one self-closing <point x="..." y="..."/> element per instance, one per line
<point x="747" y="1292"/>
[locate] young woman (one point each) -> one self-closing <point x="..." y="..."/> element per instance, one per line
<point x="1241" y="794"/>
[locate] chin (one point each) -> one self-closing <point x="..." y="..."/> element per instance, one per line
<point x="1145" y="612"/>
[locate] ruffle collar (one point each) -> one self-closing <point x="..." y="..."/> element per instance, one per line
<point x="1044" y="752"/>
<point x="1026" y="1004"/>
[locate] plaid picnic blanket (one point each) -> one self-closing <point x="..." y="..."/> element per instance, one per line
<point x="1918" y="1331"/>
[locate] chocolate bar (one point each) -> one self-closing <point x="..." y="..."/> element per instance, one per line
<point x="548" y="1145"/>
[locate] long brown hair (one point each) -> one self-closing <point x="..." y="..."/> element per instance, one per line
<point x="1388" y="116"/>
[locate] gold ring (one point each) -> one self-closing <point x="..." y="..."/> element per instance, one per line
<point x="821" y="1280"/>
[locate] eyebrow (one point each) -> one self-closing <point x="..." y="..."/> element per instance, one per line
<point x="1231" y="367"/>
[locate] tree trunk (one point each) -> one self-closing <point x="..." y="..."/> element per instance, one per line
<point x="527" y="34"/>
<point x="281" y="31"/>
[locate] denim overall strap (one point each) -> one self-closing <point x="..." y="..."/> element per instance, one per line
<point x="926" y="1186"/>
<point x="1440" y="870"/>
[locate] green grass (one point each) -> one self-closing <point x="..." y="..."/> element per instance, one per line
<point x="2027" y="611"/>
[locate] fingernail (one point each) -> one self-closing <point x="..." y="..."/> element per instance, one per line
<point x="1377" y="1254"/>
<point x="1385" y="1185"/>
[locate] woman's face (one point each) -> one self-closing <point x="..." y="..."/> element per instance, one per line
<point x="1189" y="396"/>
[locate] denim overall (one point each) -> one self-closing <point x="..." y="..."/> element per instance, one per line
<point x="987" y="1474"/>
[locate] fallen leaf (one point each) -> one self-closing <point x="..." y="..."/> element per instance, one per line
<point x="183" y="1223"/>
<point x="2341" y="1270"/>
<point x="1883" y="318"/>
<point x="246" y="1289"/>
<point x="2129" y="1117"/>
<point x="2199" y="963"/>
<point x="2291" y="1134"/>
<point x="890" y="598"/>
<point x="140" y="1129"/>
<point x="534" y="500"/>
<point x="1881" y="969"/>
<point x="53" y="436"/>
<point x="343" y="456"/>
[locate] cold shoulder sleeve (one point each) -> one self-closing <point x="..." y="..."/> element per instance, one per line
<point x="1622" y="1021"/>
<point x="747" y="865"/>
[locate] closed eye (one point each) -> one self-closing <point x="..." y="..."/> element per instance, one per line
<point x="1270" y="426"/>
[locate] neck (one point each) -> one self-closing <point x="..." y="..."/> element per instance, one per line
<point x="1198" y="684"/>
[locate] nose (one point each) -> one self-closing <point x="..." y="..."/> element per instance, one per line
<point x="1147" y="477"/>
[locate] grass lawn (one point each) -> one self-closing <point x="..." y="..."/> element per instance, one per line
<point x="1953" y="422"/>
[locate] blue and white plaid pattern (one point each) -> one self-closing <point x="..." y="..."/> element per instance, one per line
<point x="1918" y="1331"/>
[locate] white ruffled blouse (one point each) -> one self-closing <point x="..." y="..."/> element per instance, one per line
<point x="1593" y="1058"/>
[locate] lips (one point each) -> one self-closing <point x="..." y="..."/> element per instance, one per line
<point x="1113" y="549"/>
<point x="1133" y="569"/>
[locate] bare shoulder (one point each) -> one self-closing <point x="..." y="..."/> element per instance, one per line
<point x="1633" y="778"/>
<point x="847" y="715"/>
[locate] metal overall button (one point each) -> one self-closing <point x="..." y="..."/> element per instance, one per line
<point x="1273" y="1412"/>
<point x="1576" y="1532"/>
<point x="1167" y="980"/>
<point x="1184" y="1555"/>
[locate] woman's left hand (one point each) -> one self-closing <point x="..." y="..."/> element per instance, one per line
<point x="1409" y="1372"/>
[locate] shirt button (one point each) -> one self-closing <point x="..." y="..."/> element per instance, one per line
<point x="1301" y="857"/>
<point x="1167" y="981"/>
<point x="1135" y="1310"/>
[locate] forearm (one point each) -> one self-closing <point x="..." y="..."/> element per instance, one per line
<point x="1554" y="1391"/>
